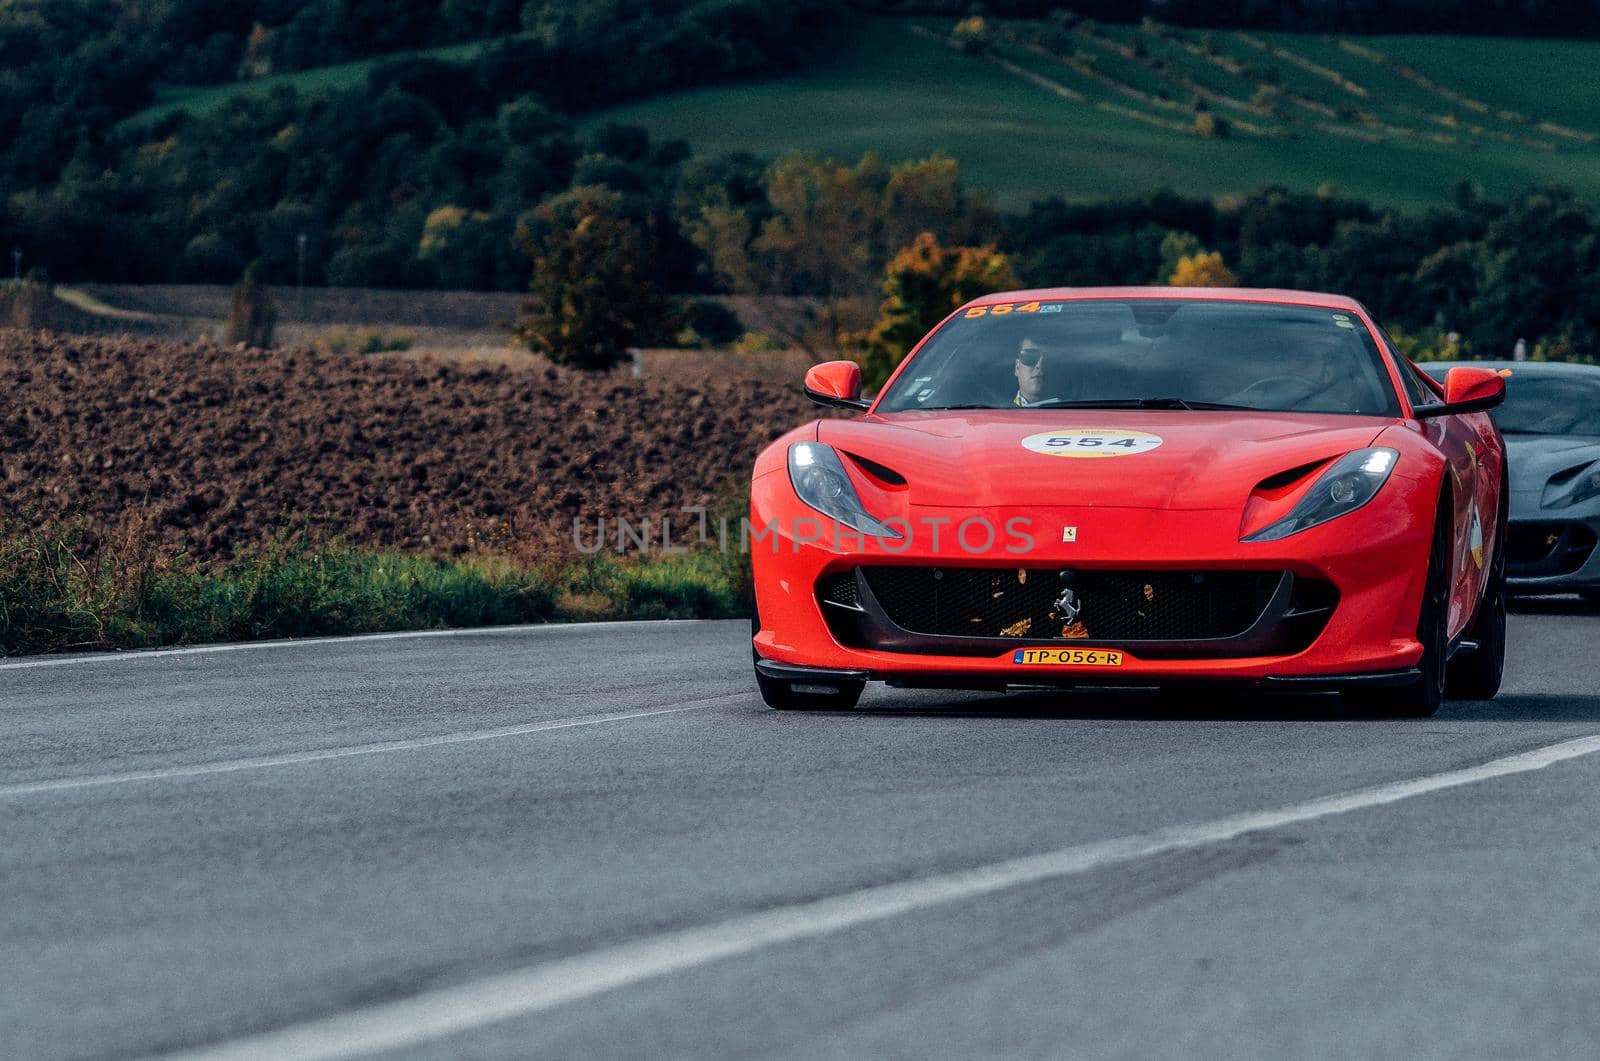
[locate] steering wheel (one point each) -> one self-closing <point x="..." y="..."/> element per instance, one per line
<point x="1302" y="390"/>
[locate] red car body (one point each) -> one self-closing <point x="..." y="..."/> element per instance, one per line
<point x="1170" y="519"/>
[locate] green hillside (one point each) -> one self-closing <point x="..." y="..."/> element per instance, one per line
<point x="1089" y="111"/>
<point x="204" y="99"/>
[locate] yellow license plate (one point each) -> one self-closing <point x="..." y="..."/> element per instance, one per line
<point x="1069" y="657"/>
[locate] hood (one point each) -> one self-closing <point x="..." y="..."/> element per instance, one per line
<point x="1166" y="459"/>
<point x="1532" y="447"/>
<point x="1533" y="459"/>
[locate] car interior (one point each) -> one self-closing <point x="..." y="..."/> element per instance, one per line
<point x="1281" y="358"/>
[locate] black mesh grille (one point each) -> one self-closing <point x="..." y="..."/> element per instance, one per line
<point x="1535" y="549"/>
<point x="1115" y="605"/>
<point x="839" y="589"/>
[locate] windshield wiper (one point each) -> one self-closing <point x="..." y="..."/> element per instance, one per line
<point x="1134" y="403"/>
<point x="1097" y="403"/>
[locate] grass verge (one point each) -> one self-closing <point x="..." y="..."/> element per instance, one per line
<point x="63" y="588"/>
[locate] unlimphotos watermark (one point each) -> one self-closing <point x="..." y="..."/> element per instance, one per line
<point x="973" y="535"/>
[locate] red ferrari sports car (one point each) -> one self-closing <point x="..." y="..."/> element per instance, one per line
<point x="1138" y="486"/>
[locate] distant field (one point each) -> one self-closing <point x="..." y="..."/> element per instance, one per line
<point x="1102" y="110"/>
<point x="203" y="99"/>
<point x="1501" y="114"/>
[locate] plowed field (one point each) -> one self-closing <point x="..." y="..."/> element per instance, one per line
<point x="216" y="448"/>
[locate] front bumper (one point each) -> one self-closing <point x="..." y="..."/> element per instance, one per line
<point x="1376" y="559"/>
<point x="1547" y="555"/>
<point x="834" y="680"/>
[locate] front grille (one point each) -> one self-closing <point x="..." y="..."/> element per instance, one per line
<point x="1022" y="603"/>
<point x="1536" y="550"/>
<point x="839" y="589"/>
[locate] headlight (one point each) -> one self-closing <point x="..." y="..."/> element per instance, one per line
<point x="1583" y="487"/>
<point x="1353" y="480"/>
<point x="820" y="481"/>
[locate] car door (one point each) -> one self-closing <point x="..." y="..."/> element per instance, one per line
<point x="1462" y="441"/>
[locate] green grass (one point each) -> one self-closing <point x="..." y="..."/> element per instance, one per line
<point x="63" y="589"/>
<point x="905" y="97"/>
<point x="1546" y="79"/>
<point x="205" y="99"/>
<point x="886" y="90"/>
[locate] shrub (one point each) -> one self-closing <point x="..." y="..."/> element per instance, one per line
<point x="714" y="323"/>
<point x="29" y="303"/>
<point x="759" y="343"/>
<point x="365" y="341"/>
<point x="591" y="296"/>
<point x="251" y="315"/>
<point x="972" y="34"/>
<point x="1203" y="270"/>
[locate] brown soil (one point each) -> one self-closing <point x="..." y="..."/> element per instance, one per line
<point x="219" y="448"/>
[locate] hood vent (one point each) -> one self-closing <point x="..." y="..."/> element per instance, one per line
<point x="881" y="472"/>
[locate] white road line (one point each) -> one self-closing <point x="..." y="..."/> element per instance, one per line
<point x="228" y="766"/>
<point x="205" y="650"/>
<point x="435" y="1014"/>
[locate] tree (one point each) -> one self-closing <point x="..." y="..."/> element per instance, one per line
<point x="921" y="286"/>
<point x="972" y="34"/>
<point x="1176" y="246"/>
<point x="1209" y="126"/>
<point x="29" y="303"/>
<point x="459" y="244"/>
<point x="252" y="315"/>
<point x="591" y="296"/>
<point x="1203" y="270"/>
<point x="923" y="195"/>
<point x="823" y="239"/>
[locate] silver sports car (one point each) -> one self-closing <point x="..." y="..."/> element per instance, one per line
<point x="1551" y="423"/>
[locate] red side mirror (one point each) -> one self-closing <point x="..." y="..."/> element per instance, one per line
<point x="1472" y="389"/>
<point x="836" y="383"/>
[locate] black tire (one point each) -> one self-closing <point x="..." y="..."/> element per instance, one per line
<point x="1591" y="597"/>
<point x="781" y="694"/>
<point x="1421" y="698"/>
<point x="1476" y="675"/>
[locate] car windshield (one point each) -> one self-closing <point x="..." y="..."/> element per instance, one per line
<point x="1158" y="353"/>
<point x="1550" y="405"/>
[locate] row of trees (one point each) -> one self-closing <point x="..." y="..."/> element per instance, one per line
<point x="910" y="235"/>
<point x="1544" y="18"/>
<point x="74" y="73"/>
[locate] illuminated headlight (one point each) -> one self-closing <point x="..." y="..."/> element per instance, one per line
<point x="820" y="481"/>
<point x="1353" y="480"/>
<point x="1583" y="488"/>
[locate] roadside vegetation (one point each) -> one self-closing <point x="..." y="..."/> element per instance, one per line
<point x="63" y="589"/>
<point x="662" y="173"/>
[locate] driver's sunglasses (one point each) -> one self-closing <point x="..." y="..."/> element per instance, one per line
<point x="1029" y="356"/>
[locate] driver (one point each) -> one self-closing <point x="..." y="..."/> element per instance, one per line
<point x="1038" y="365"/>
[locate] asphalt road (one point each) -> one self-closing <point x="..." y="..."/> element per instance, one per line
<point x="595" y="841"/>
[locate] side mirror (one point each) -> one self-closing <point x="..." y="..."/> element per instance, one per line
<point x="836" y="383"/>
<point x="1467" y="390"/>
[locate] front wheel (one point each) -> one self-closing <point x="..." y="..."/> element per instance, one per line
<point x="790" y="694"/>
<point x="785" y="694"/>
<point x="1476" y="675"/>
<point x="1422" y="698"/>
